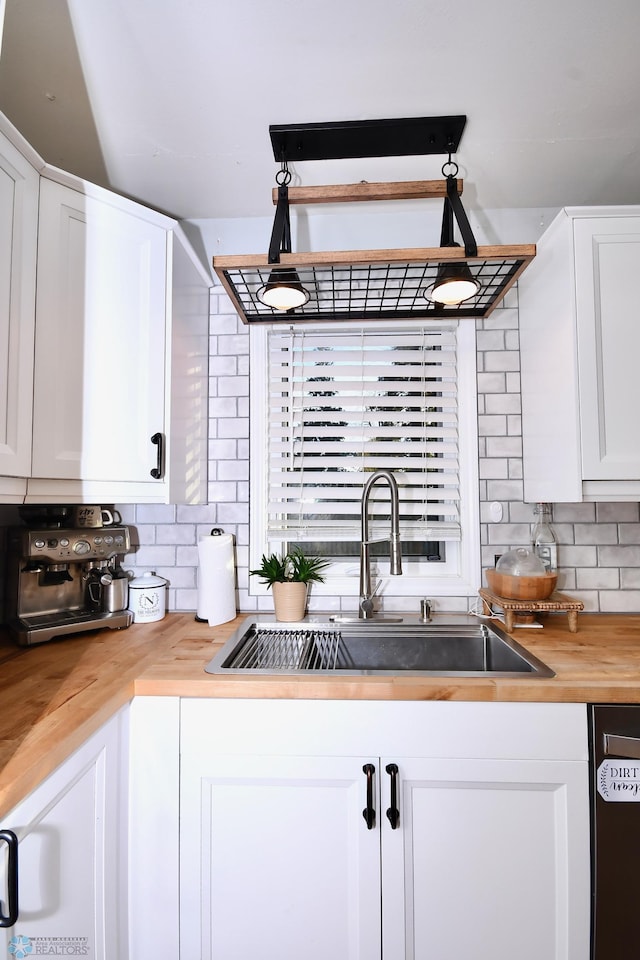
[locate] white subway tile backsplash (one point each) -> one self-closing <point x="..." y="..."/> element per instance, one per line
<point x="497" y="469"/>
<point x="178" y="577"/>
<point x="233" y="470"/>
<point x="619" y="601"/>
<point x="492" y="426"/>
<point x="155" y="513"/>
<point x="491" y="383"/>
<point x="233" y="386"/>
<point x="571" y="556"/>
<point x="515" y="468"/>
<point x="630" y="579"/>
<point x="236" y="427"/>
<point x="490" y="340"/>
<point x="597" y="533"/>
<point x="223" y="449"/>
<point x="504" y="446"/>
<point x="232" y="345"/>
<point x="220" y="366"/>
<point x="223" y="407"/>
<point x="222" y="492"/>
<point x="224" y="323"/>
<point x="504" y="490"/>
<point x="598" y="578"/>
<point x="599" y="544"/>
<point x="621" y="556"/>
<point x="505" y="316"/>
<point x="503" y="360"/>
<point x="150" y="557"/>
<point x="574" y="512"/>
<point x="512" y="381"/>
<point x="514" y="425"/>
<point x="176" y="533"/>
<point x="617" y="512"/>
<point x="501" y="402"/>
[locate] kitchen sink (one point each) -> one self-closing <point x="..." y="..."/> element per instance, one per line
<point x="362" y="647"/>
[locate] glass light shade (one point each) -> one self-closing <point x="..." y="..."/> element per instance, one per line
<point x="283" y="291"/>
<point x="454" y="284"/>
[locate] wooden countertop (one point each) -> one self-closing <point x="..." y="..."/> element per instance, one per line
<point x="56" y="694"/>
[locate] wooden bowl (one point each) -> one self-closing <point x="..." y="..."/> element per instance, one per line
<point x="521" y="588"/>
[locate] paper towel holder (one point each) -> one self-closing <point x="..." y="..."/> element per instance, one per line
<point x="217" y="532"/>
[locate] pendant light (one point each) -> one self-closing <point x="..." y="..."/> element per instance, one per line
<point x="283" y="290"/>
<point x="454" y="282"/>
<point x="426" y="283"/>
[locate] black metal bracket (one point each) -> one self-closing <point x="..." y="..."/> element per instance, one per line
<point x="281" y="232"/>
<point x="453" y="207"/>
<point x="408" y="136"/>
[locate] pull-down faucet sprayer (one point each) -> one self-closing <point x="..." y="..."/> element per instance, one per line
<point x="365" y="609"/>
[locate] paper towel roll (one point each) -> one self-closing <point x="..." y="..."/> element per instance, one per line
<point x="216" y="579"/>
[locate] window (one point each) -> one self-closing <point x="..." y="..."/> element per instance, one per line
<point x="328" y="408"/>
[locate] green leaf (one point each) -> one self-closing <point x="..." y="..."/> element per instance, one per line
<point x="294" y="566"/>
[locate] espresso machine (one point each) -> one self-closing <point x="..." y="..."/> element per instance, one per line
<point x="65" y="580"/>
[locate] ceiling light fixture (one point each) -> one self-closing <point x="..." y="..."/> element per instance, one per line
<point x="283" y="290"/>
<point x="449" y="281"/>
<point x="454" y="282"/>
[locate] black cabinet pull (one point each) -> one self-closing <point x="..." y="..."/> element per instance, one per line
<point x="11" y="840"/>
<point x="158" y="471"/>
<point x="369" y="812"/>
<point x="393" y="814"/>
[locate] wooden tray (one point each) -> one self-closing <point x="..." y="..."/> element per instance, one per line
<point x="557" y="602"/>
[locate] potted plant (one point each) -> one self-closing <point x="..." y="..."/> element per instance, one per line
<point x="289" y="577"/>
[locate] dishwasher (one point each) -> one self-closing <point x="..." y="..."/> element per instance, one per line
<point x="615" y="830"/>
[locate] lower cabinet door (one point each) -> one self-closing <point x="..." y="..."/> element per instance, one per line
<point x="277" y="861"/>
<point x="490" y="859"/>
<point x="70" y="859"/>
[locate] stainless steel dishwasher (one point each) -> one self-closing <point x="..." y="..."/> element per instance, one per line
<point x="615" y="830"/>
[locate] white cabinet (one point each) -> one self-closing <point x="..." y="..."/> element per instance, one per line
<point x="491" y="845"/>
<point x="104" y="324"/>
<point x="18" y="245"/>
<point x="106" y="354"/>
<point x="101" y="316"/>
<point x="579" y="344"/>
<point x="276" y="858"/>
<point x="71" y="848"/>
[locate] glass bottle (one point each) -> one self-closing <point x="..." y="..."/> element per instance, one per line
<point x="543" y="541"/>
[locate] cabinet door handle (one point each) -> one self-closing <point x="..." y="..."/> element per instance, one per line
<point x="369" y="812"/>
<point x="158" y="471"/>
<point x="617" y="746"/>
<point x="393" y="814"/>
<point x="11" y="840"/>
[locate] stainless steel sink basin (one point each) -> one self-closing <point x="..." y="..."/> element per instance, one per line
<point x="441" y="648"/>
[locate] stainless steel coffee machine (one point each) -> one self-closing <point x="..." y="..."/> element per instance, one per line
<point x="65" y="580"/>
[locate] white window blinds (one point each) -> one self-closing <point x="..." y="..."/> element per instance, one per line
<point x="343" y="404"/>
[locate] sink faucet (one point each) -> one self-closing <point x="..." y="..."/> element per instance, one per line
<point x="365" y="609"/>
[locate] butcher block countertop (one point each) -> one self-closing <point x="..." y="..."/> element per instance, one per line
<point x="54" y="695"/>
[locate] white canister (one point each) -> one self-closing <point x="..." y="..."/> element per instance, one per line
<point x="147" y="598"/>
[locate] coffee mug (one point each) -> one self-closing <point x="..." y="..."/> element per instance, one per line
<point x="90" y="516"/>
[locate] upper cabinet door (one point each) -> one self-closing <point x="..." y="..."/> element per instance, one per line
<point x="607" y="251"/>
<point x="101" y="321"/>
<point x="18" y="247"/>
<point x="579" y="343"/>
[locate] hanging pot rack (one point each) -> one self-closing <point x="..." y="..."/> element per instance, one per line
<point x="382" y="284"/>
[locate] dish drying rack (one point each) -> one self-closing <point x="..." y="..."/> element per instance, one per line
<point x="289" y="650"/>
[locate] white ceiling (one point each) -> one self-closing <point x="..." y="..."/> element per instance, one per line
<point x="170" y="101"/>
